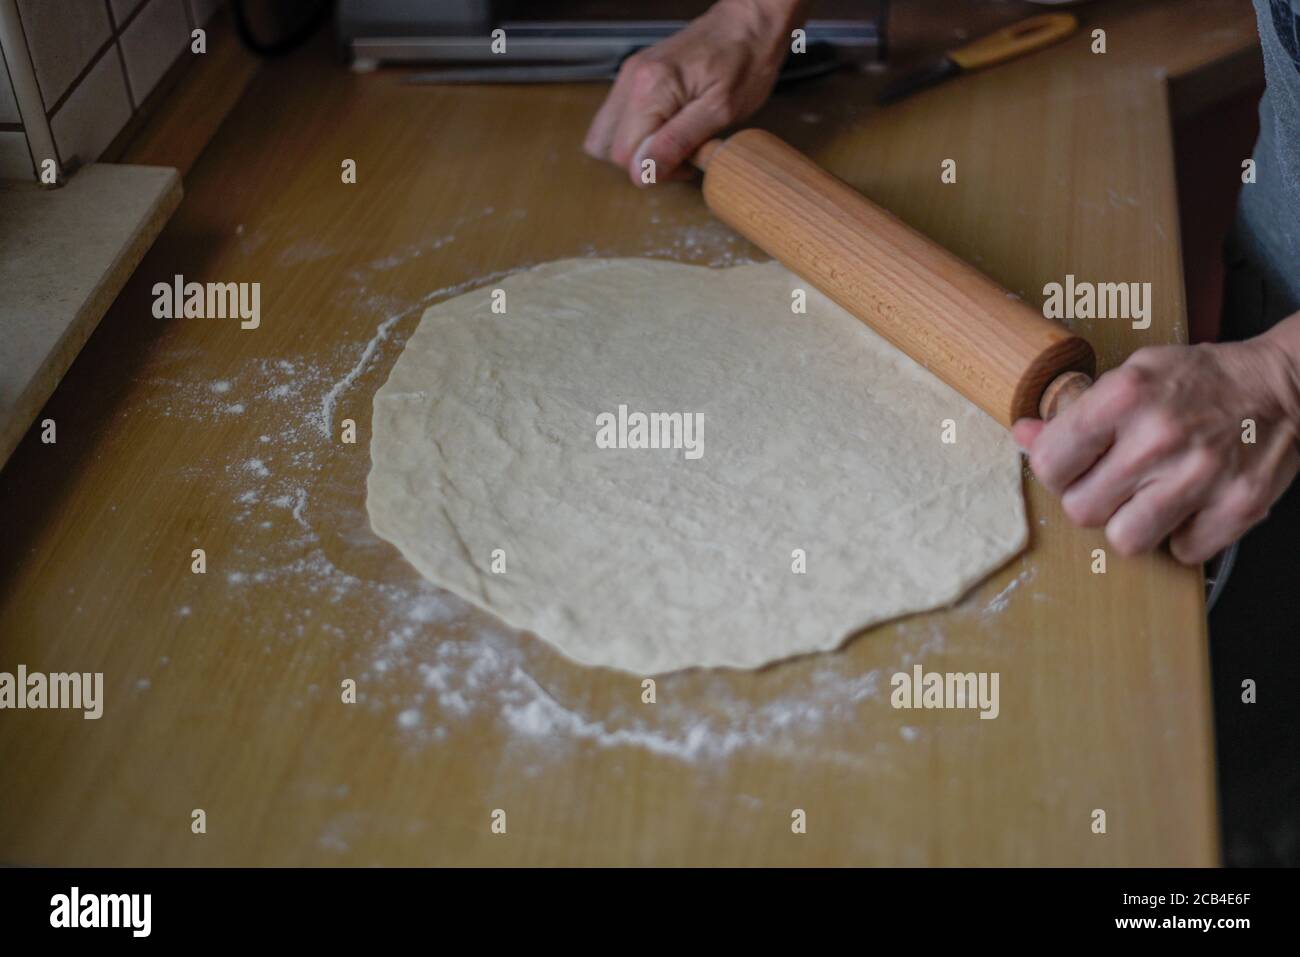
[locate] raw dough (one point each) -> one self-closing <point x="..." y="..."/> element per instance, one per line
<point x="818" y="435"/>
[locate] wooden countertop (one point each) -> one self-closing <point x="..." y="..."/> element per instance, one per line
<point x="222" y="690"/>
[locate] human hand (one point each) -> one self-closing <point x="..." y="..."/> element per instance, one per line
<point x="1157" y="447"/>
<point x="669" y="99"/>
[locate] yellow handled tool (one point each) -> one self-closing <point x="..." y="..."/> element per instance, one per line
<point x="1006" y="44"/>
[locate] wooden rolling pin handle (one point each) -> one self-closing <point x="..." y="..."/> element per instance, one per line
<point x="950" y="318"/>
<point x="1060" y="392"/>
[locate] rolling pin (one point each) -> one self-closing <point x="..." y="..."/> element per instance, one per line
<point x="945" y="314"/>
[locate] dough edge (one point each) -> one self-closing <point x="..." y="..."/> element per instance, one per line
<point x="389" y="527"/>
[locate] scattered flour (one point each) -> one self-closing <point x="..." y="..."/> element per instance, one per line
<point x="299" y="503"/>
<point x="425" y="660"/>
<point x="368" y="353"/>
<point x="371" y="348"/>
<point x="305" y="251"/>
<point x="486" y="673"/>
<point x="999" y="602"/>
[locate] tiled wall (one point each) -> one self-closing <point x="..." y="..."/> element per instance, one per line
<point x="96" y="61"/>
<point x="14" y="160"/>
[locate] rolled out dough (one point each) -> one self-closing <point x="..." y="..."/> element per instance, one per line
<point x="818" y="436"/>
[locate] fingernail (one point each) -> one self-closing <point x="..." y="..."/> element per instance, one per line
<point x="639" y="154"/>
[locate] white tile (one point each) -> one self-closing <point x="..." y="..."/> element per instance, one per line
<point x="8" y="105"/>
<point x="123" y="9"/>
<point x="94" y="113"/>
<point x="15" y="160"/>
<point x="204" y="9"/>
<point x="62" y="38"/>
<point x="152" y="42"/>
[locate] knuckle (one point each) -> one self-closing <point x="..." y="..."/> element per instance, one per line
<point x="1204" y="460"/>
<point x="1132" y="532"/>
<point x="649" y="77"/>
<point x="1082" y="512"/>
<point x="1123" y="541"/>
<point x="722" y="105"/>
<point x="630" y="66"/>
<point x="1125" y="388"/>
<point x="1074" y="510"/>
<point x="1203" y="463"/>
<point x="1163" y="434"/>
<point x="1186" y="552"/>
<point x="1132" y="374"/>
<point x="1251" y="512"/>
<point x="1255" y="486"/>
<point x="1242" y="512"/>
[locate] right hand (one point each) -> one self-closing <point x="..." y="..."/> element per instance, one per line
<point x="669" y="99"/>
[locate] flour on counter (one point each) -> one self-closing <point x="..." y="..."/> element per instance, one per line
<point x="425" y="661"/>
<point x="999" y="602"/>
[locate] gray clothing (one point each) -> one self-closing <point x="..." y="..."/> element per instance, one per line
<point x="1253" y="627"/>
<point x="1267" y="234"/>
